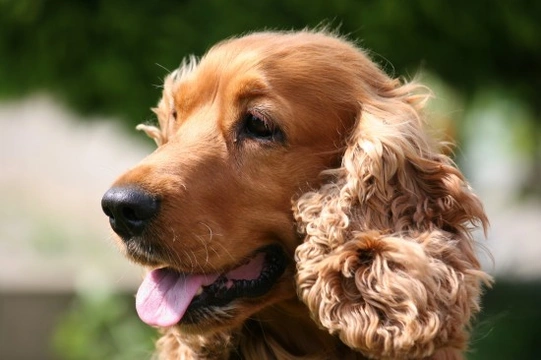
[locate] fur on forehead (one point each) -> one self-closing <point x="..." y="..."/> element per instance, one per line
<point x="166" y="105"/>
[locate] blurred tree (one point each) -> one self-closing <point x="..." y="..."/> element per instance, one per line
<point x="107" y="56"/>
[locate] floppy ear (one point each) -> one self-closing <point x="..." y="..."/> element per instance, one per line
<point x="388" y="260"/>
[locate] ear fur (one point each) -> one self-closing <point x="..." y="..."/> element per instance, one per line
<point x="388" y="262"/>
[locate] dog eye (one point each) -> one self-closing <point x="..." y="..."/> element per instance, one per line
<point x="256" y="126"/>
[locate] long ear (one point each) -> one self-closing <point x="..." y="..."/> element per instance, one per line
<point x="388" y="260"/>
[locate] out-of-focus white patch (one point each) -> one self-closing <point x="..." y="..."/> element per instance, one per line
<point x="54" y="169"/>
<point x="497" y="166"/>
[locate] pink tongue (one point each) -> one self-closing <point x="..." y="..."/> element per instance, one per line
<point x="249" y="271"/>
<point x="164" y="296"/>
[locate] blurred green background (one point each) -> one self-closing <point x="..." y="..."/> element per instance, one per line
<point x="76" y="76"/>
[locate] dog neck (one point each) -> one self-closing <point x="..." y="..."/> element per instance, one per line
<point x="286" y="331"/>
<point x="282" y="332"/>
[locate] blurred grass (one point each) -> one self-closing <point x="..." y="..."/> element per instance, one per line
<point x="103" y="327"/>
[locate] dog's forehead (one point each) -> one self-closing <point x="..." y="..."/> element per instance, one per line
<point x="270" y="55"/>
<point x="218" y="73"/>
<point x="266" y="72"/>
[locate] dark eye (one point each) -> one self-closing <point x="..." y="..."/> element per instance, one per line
<point x="256" y="126"/>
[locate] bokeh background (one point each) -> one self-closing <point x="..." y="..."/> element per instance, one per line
<point x="76" y="76"/>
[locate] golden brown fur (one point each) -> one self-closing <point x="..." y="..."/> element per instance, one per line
<point x="382" y="262"/>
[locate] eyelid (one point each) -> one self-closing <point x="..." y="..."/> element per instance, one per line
<point x="263" y="113"/>
<point x="262" y="116"/>
<point x="273" y="126"/>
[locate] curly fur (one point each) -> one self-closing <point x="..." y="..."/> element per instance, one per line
<point x="383" y="262"/>
<point x="388" y="262"/>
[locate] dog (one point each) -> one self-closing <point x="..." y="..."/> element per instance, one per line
<point x="296" y="209"/>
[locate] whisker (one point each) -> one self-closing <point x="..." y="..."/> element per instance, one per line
<point x="226" y="250"/>
<point x="163" y="67"/>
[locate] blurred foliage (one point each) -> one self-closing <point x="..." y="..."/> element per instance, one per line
<point x="508" y="327"/>
<point x="103" y="327"/>
<point x="101" y="55"/>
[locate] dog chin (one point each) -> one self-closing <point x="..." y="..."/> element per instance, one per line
<point x="215" y="318"/>
<point x="142" y="255"/>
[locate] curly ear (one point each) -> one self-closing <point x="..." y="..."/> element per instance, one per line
<point x="388" y="260"/>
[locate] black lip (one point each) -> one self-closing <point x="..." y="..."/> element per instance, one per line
<point x="218" y="295"/>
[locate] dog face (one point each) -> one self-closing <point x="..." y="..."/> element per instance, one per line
<point x="242" y="133"/>
<point x="289" y="165"/>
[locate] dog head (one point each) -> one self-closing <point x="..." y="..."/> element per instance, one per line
<point x="377" y="244"/>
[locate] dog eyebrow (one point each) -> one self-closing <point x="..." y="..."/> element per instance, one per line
<point x="253" y="87"/>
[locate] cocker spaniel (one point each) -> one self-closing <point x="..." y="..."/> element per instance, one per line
<point x="295" y="209"/>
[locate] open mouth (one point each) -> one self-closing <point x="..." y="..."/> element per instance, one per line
<point x="166" y="296"/>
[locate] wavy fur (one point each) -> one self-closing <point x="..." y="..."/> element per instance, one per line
<point x="382" y="257"/>
<point x="388" y="260"/>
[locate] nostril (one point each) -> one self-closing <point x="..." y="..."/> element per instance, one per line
<point x="129" y="210"/>
<point x="129" y="214"/>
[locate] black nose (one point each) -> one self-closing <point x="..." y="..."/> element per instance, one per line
<point x="129" y="209"/>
